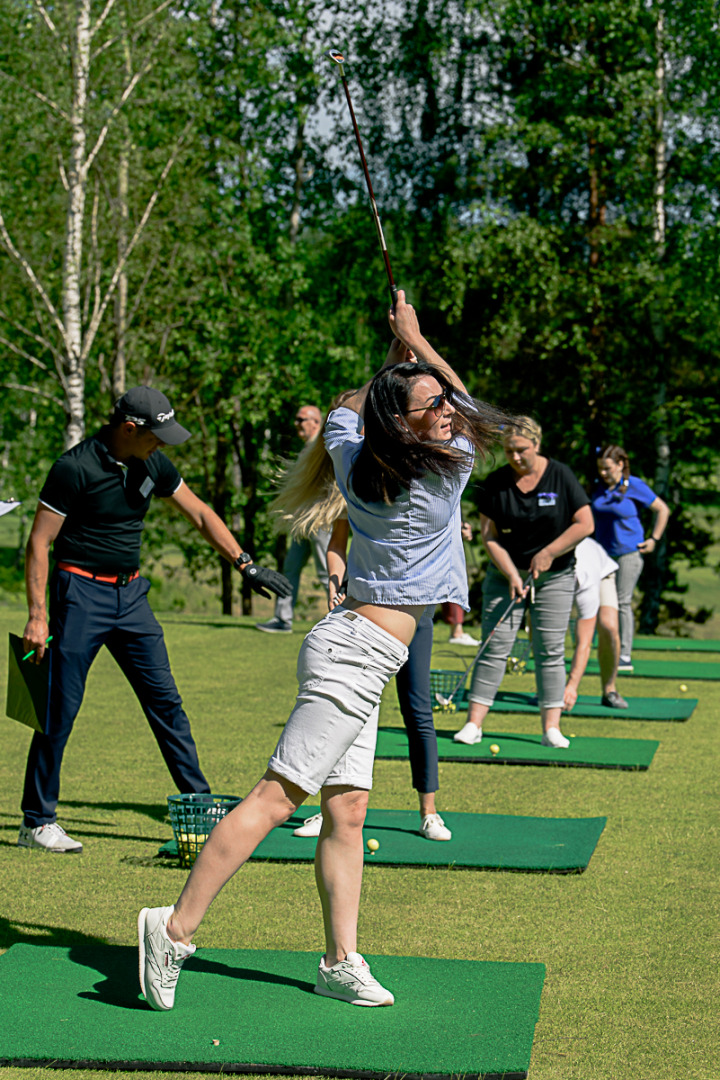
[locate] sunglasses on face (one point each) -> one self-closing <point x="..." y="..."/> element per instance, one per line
<point x="436" y="405"/>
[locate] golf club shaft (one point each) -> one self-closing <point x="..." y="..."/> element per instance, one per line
<point x="484" y="644"/>
<point x="368" y="182"/>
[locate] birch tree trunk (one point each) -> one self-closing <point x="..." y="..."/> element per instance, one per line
<point x="121" y="297"/>
<point x="656" y="568"/>
<point x="73" y="253"/>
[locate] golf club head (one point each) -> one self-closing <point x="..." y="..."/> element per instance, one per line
<point x="336" y="57"/>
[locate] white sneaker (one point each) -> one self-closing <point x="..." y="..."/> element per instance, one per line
<point x="469" y="735"/>
<point x="434" y="828"/>
<point x="160" y="958"/>
<point x="51" y="837"/>
<point x="464" y="639"/>
<point x="553" y="737"/>
<point x="351" y="980"/>
<point x="310" y="827"/>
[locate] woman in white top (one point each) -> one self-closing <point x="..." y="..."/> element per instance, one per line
<point x="402" y="479"/>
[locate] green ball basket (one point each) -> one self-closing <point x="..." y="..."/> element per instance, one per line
<point x="193" y="817"/>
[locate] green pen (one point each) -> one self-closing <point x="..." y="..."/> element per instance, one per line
<point x="33" y="651"/>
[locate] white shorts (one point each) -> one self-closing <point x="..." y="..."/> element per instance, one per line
<point x="592" y="597"/>
<point x="343" y="666"/>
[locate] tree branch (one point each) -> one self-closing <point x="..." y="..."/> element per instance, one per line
<point x="141" y="289"/>
<point x="32" y="278"/>
<point x="97" y="315"/>
<point x="113" y="40"/>
<point x="52" y="105"/>
<point x="28" y="333"/>
<point x="34" y="390"/>
<point x="50" y="25"/>
<point x="24" y="355"/>
<point x="106" y="11"/>
<point x="113" y="113"/>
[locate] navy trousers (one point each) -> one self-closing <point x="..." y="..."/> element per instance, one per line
<point x="84" y="616"/>
<point x="413" y="690"/>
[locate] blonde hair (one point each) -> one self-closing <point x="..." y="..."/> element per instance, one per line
<point x="524" y="426"/>
<point x="309" y="499"/>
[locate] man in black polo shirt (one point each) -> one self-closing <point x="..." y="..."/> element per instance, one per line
<point x="91" y="513"/>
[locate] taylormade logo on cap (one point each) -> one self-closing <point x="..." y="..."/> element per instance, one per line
<point x="151" y="409"/>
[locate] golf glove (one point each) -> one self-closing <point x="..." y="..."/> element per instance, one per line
<point x="261" y="579"/>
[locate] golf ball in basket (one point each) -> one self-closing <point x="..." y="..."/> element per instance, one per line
<point x="372" y="844"/>
<point x="683" y="687"/>
<point x="494" y="748"/>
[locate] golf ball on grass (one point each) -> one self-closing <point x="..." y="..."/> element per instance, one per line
<point x="372" y="844"/>
<point x="683" y="687"/>
<point x="494" y="748"/>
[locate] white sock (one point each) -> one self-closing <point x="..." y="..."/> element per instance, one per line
<point x="554" y="737"/>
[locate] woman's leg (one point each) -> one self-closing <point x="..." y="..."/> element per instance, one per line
<point x="339" y="860"/>
<point x="550" y="615"/>
<point x="608" y="647"/>
<point x="629" y="570"/>
<point x="414" y="697"/>
<point x="231" y="843"/>
<point x="491" y="667"/>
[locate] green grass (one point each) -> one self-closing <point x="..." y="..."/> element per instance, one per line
<point x="630" y="945"/>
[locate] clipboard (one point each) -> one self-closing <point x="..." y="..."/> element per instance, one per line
<point x="28" y="687"/>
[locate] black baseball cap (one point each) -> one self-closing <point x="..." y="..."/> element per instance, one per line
<point x="151" y="409"/>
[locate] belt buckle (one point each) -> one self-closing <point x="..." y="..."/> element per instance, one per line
<point x="121" y="581"/>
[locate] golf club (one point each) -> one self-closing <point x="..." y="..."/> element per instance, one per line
<point x="339" y="59"/>
<point x="447" y="701"/>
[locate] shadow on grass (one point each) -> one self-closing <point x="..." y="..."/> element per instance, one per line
<point x="18" y="932"/>
<point x="156" y="812"/>
<point x="118" y="966"/>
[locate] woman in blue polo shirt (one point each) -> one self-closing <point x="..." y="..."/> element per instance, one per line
<point x="617" y="502"/>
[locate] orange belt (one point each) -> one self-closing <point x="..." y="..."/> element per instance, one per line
<point x="108" y="579"/>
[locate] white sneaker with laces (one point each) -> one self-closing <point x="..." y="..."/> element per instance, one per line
<point x="434" y="828"/>
<point x="464" y="639"/>
<point x="553" y="737"/>
<point x="310" y="827"/>
<point x="469" y="735"/>
<point x="351" y="980"/>
<point x="160" y="958"/>
<point x="51" y="837"/>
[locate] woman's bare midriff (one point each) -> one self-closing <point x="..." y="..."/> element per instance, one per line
<point x="400" y="620"/>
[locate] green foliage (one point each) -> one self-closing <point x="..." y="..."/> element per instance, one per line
<point x="513" y="150"/>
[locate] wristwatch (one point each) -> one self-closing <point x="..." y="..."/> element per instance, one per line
<point x="242" y="560"/>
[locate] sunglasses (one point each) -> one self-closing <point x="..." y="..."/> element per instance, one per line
<point x="436" y="405"/>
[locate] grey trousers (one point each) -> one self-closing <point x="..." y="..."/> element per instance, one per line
<point x="550" y="614"/>
<point x="629" y="570"/>
<point x="298" y="554"/>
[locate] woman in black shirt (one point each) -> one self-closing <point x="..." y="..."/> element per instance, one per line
<point x="533" y="513"/>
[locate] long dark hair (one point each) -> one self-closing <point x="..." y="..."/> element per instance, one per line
<point x="392" y="455"/>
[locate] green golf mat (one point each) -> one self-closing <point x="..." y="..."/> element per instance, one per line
<point x="660" y="669"/>
<point x="486" y="841"/>
<point x="639" y="708"/>
<point x="666" y="644"/>
<point x="527" y="750"/>
<point x="252" y="1011"/>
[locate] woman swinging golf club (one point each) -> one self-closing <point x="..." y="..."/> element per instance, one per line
<point x="402" y="481"/>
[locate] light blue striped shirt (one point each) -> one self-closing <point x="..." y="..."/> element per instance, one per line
<point x="408" y="552"/>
